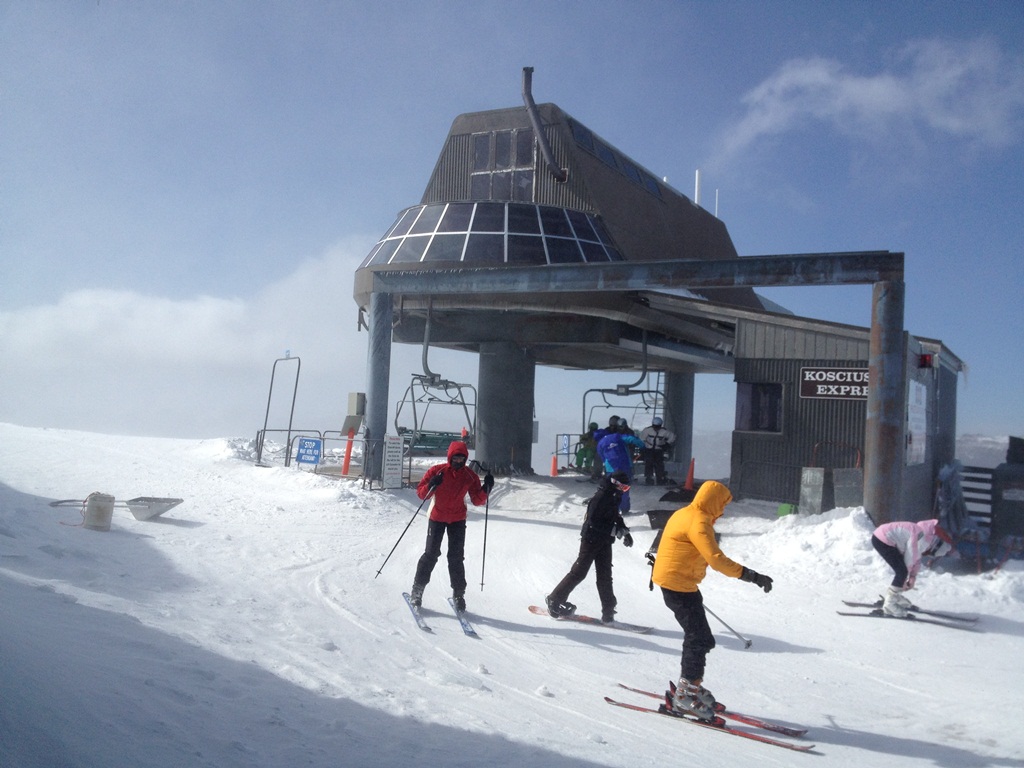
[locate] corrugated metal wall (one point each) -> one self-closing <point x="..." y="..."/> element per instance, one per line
<point x="570" y="194"/>
<point x="760" y="340"/>
<point x="824" y="433"/>
<point x="450" y="180"/>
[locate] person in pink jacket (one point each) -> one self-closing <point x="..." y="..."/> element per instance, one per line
<point x="449" y="483"/>
<point x="903" y="545"/>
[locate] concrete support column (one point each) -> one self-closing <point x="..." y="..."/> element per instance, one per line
<point x="504" y="417"/>
<point x="679" y="414"/>
<point x="886" y="409"/>
<point x="378" y="373"/>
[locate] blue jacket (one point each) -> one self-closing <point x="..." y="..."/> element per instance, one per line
<point x="617" y="450"/>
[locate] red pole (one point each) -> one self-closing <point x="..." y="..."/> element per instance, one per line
<point x="348" y="452"/>
<point x="689" y="477"/>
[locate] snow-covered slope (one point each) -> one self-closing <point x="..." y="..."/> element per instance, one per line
<point x="248" y="627"/>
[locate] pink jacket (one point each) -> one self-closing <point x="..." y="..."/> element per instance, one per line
<point x="911" y="539"/>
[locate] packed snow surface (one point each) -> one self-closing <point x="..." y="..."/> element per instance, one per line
<point x="253" y="625"/>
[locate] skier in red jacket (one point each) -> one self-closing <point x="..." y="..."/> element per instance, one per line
<point x="449" y="483"/>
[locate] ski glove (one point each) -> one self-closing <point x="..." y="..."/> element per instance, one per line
<point x="622" y="532"/>
<point x="488" y="482"/>
<point x="764" y="582"/>
<point x="435" y="481"/>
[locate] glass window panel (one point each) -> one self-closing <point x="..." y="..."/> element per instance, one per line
<point x="386" y="251"/>
<point x="593" y="252"/>
<point x="554" y="222"/>
<point x="404" y="222"/>
<point x="631" y="171"/>
<point x="524" y="148"/>
<point x="480" y="186"/>
<point x="562" y="251"/>
<point x="411" y="249"/>
<point x="369" y="259"/>
<point x="602" y="233"/>
<point x="606" y="154"/>
<point x="503" y="149"/>
<point x="523" y="249"/>
<point x="482" y="152"/>
<point x="490" y="217"/>
<point x="456" y="218"/>
<point x="501" y="186"/>
<point x="428" y="220"/>
<point x="445" y="248"/>
<point x="582" y="135"/>
<point x="581" y="224"/>
<point x="488" y="249"/>
<point x="523" y="219"/>
<point x="651" y="185"/>
<point x="758" y="407"/>
<point x="522" y="186"/>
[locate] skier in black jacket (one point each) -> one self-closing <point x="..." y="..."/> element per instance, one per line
<point x="601" y="526"/>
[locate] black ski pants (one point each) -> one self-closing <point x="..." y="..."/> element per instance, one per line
<point x="436" y="531"/>
<point x="894" y="558"/>
<point x="598" y="554"/>
<point x="654" y="464"/>
<point x="688" y="608"/>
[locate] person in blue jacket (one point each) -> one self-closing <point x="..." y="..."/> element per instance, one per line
<point x="616" y="451"/>
<point x="598" y="471"/>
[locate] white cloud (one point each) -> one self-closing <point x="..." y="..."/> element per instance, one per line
<point x="970" y="91"/>
<point x="120" y="361"/>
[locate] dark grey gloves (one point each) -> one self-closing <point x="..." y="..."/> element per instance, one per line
<point x="764" y="582"/>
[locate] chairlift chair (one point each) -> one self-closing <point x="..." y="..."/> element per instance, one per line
<point x="424" y="391"/>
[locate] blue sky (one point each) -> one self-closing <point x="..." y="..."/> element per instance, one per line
<point x="186" y="188"/>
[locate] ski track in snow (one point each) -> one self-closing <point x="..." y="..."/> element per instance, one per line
<point x="248" y="627"/>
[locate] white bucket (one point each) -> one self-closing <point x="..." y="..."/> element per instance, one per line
<point x="99" y="508"/>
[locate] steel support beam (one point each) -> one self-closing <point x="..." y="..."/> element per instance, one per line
<point x="378" y="372"/>
<point x="886" y="410"/>
<point x="753" y="271"/>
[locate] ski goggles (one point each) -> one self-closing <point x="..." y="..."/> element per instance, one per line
<point x="621" y="486"/>
<point x="458" y="460"/>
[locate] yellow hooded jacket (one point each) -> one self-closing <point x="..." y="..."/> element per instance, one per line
<point x="688" y="543"/>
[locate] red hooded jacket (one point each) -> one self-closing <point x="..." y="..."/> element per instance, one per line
<point x="449" y="502"/>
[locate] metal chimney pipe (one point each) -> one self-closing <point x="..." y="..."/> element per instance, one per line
<point x="560" y="174"/>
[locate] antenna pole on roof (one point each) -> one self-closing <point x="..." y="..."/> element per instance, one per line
<point x="561" y="174"/>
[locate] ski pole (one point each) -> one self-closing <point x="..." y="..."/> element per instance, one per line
<point x="429" y="495"/>
<point x="487" y="505"/>
<point x="483" y="559"/>
<point x="746" y="643"/>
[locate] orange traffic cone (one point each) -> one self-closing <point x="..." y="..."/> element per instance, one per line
<point x="554" y="465"/>
<point x="689" y="477"/>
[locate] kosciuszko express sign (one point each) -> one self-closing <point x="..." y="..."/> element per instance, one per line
<point x="834" y="383"/>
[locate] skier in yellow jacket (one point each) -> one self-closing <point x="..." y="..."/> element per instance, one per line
<point x="687" y="547"/>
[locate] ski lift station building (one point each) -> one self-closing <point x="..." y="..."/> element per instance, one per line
<point x="536" y="242"/>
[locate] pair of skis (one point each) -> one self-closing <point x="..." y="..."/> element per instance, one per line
<point x="464" y="622"/>
<point x="964" y="621"/>
<point x="719" y="723"/>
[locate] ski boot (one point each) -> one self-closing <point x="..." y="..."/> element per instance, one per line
<point x="607" y="617"/>
<point x="416" y="595"/>
<point x="557" y="610"/>
<point x="693" y="699"/>
<point x="459" y="598"/>
<point x="895" y="604"/>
